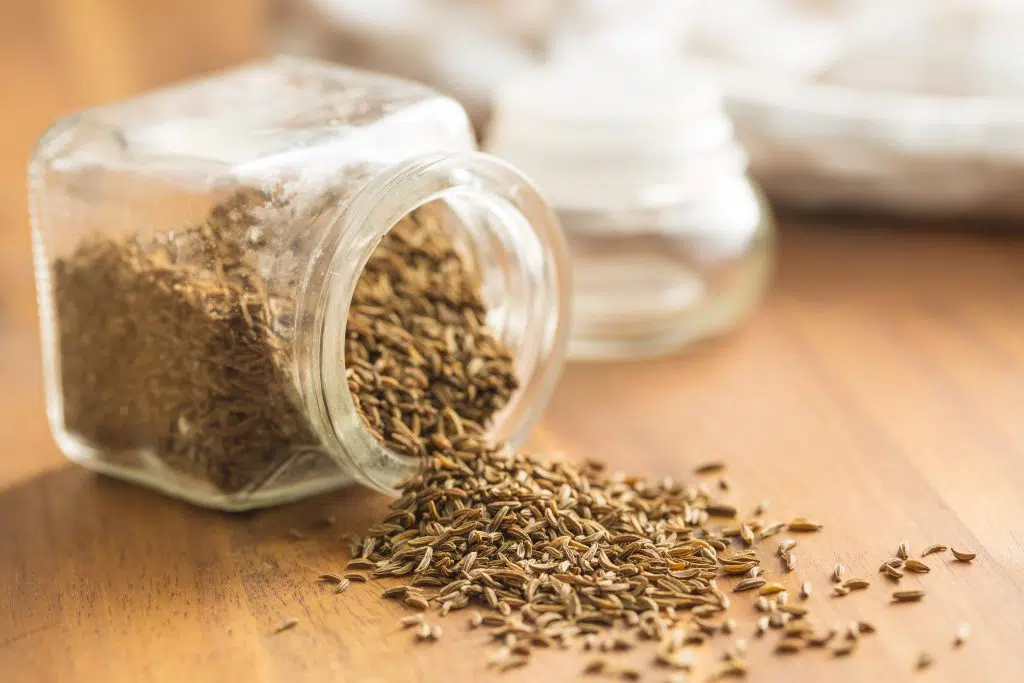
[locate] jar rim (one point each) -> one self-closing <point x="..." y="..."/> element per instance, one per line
<point x="536" y="314"/>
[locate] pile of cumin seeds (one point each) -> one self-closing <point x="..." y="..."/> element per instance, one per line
<point x="170" y="346"/>
<point x="422" y="365"/>
<point x="560" y="554"/>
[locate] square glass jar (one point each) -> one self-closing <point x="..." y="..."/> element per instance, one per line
<point x="197" y="248"/>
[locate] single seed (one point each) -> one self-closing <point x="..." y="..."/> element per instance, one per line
<point x="840" y="591"/>
<point x="805" y="590"/>
<point x="963" y="555"/>
<point x="720" y="510"/>
<point x="342" y="586"/>
<point x="837" y="573"/>
<point x="924" y="660"/>
<point x="785" y="546"/>
<point x="865" y="627"/>
<point x="902" y="551"/>
<point x="770" y="588"/>
<point x="820" y="639"/>
<point x="856" y="584"/>
<point x="286" y="624"/>
<point x="411" y="620"/>
<point x="762" y="626"/>
<point x="788" y="646"/>
<point x="915" y="566"/>
<point x="963" y="632"/>
<point x="802" y="524"/>
<point x="892" y="573"/>
<point x="595" y="666"/>
<point x="416" y="602"/>
<point x="749" y="584"/>
<point x="630" y="674"/>
<point x="937" y="548"/>
<point x="844" y="649"/>
<point x="356" y="576"/>
<point x="709" y="467"/>
<point x="907" y="596"/>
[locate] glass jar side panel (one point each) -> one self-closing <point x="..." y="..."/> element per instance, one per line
<point x="163" y="365"/>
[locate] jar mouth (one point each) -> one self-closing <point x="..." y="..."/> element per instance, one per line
<point x="506" y="233"/>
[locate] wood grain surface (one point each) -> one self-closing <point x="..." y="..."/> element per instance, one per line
<point x="880" y="390"/>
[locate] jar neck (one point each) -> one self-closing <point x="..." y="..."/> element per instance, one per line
<point x="511" y="239"/>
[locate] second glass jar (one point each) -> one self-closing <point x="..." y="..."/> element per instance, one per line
<point x="671" y="242"/>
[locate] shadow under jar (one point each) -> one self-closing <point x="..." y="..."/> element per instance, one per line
<point x="197" y="250"/>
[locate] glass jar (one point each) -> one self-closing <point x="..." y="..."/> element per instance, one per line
<point x="197" y="249"/>
<point x="670" y="240"/>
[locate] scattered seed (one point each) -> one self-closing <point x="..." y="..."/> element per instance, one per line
<point x="840" y="591"/>
<point x="802" y="524"/>
<point x="356" y="576"/>
<point x="805" y="590"/>
<point x="762" y="626"/>
<point x="844" y="649"/>
<point x="865" y="627"/>
<point x="856" y="584"/>
<point x="286" y="624"/>
<point x="837" y="573"/>
<point x="937" y="548"/>
<point x="720" y="510"/>
<point x="342" y="586"/>
<point x="963" y="555"/>
<point x="595" y="666"/>
<point x="411" y="620"/>
<point x="915" y="566"/>
<point x="785" y="546"/>
<point x="963" y="632"/>
<point x="771" y="588"/>
<point x="416" y="602"/>
<point x="748" y="584"/>
<point x="907" y="596"/>
<point x="788" y="646"/>
<point x="924" y="660"/>
<point x="709" y="467"/>
<point x="902" y="551"/>
<point x="820" y="639"/>
<point x="892" y="573"/>
<point x="630" y="675"/>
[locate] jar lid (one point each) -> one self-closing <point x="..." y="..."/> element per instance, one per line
<point x="615" y="134"/>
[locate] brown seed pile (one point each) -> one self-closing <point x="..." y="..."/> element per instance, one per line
<point x="563" y="553"/>
<point x="423" y="367"/>
<point x="167" y="344"/>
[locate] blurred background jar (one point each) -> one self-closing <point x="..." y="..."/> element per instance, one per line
<point x="670" y="240"/>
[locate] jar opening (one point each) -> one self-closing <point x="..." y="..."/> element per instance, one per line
<point x="505" y="235"/>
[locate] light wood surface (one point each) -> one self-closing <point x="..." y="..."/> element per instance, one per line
<point x="880" y="390"/>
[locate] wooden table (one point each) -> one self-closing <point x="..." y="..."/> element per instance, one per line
<point x="880" y="389"/>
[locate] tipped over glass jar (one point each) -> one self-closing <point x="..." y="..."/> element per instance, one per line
<point x="670" y="240"/>
<point x="284" y="278"/>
